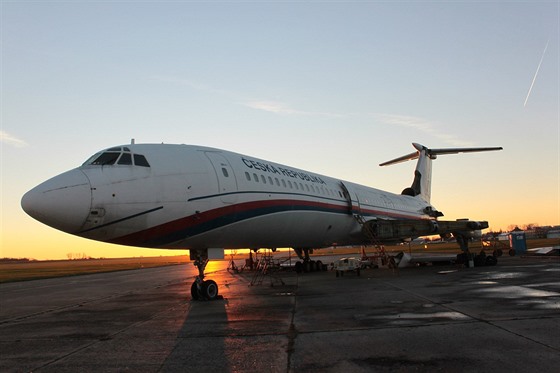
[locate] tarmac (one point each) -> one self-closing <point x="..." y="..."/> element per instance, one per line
<point x="504" y="318"/>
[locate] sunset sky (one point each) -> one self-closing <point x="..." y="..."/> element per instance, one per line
<point x="331" y="87"/>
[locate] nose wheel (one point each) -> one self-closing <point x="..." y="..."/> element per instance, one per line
<point x="207" y="290"/>
<point x="203" y="289"/>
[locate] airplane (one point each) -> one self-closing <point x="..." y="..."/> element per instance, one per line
<point x="207" y="200"/>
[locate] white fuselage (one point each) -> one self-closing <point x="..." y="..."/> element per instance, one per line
<point x="197" y="197"/>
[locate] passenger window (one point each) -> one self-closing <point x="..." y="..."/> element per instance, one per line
<point x="295" y="184"/>
<point x="263" y="179"/>
<point x="248" y="176"/>
<point x="284" y="183"/>
<point x="125" y="159"/>
<point x="307" y="187"/>
<point x="140" y="160"/>
<point x="290" y="184"/>
<point x="277" y="182"/>
<point x="270" y="180"/>
<point x="256" y="178"/>
<point x="224" y="171"/>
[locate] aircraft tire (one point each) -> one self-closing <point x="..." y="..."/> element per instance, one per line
<point x="319" y="265"/>
<point x="299" y="267"/>
<point x="209" y="289"/>
<point x="194" y="291"/>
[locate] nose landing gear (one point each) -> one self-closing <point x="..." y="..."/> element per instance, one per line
<point x="201" y="289"/>
<point x="204" y="290"/>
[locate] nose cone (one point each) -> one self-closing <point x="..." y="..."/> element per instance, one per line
<point x="62" y="202"/>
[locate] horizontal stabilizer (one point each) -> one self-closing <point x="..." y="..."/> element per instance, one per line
<point x="461" y="150"/>
<point x="404" y="158"/>
<point x="433" y="153"/>
<point x="421" y="185"/>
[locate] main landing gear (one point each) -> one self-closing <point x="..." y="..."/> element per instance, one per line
<point x="201" y="289"/>
<point x="469" y="259"/>
<point x="307" y="265"/>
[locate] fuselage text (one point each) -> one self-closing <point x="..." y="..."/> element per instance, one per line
<point x="267" y="167"/>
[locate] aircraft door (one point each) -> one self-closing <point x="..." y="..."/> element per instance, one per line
<point x="227" y="183"/>
<point x="348" y="197"/>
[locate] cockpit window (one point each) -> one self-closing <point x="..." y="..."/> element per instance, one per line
<point x="140" y="160"/>
<point x="119" y="156"/>
<point x="126" y="158"/>
<point x="106" y="158"/>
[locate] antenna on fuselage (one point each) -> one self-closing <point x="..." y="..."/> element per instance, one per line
<point x="132" y="142"/>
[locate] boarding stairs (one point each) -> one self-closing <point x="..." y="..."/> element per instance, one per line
<point x="266" y="268"/>
<point x="380" y="254"/>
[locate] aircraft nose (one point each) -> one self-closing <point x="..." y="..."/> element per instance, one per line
<point x="62" y="202"/>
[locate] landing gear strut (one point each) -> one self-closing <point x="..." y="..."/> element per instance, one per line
<point x="471" y="260"/>
<point x="307" y="265"/>
<point x="200" y="289"/>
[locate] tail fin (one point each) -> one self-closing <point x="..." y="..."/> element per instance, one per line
<point x="421" y="186"/>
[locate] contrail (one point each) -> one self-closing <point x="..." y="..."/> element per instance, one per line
<point x="536" y="73"/>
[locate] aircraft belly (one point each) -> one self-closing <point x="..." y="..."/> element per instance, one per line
<point x="126" y="219"/>
<point x="284" y="229"/>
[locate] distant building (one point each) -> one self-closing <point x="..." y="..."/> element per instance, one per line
<point x="503" y="237"/>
